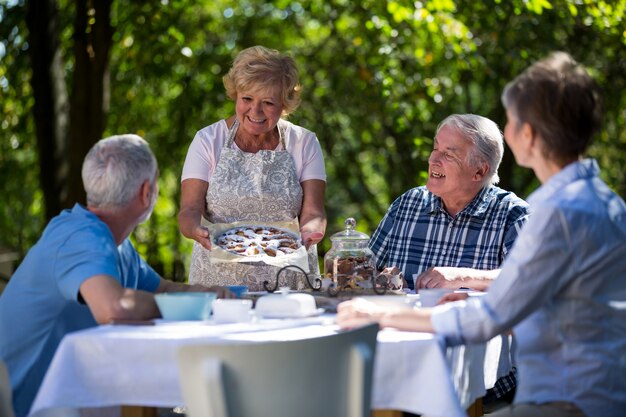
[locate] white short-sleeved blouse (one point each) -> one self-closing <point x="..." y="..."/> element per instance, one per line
<point x="302" y="145"/>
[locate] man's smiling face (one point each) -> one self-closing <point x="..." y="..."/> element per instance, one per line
<point x="449" y="174"/>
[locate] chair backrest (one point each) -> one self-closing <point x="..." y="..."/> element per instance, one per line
<point x="328" y="376"/>
<point x="6" y="397"/>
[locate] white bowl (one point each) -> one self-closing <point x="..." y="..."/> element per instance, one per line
<point x="232" y="311"/>
<point x="185" y="305"/>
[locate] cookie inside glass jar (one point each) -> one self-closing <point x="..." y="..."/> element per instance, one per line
<point x="258" y="240"/>
<point x="350" y="263"/>
<point x="353" y="272"/>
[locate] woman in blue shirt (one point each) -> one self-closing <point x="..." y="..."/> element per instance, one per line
<point x="562" y="289"/>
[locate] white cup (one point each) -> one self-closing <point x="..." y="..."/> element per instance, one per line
<point x="430" y="296"/>
<point x="232" y="311"/>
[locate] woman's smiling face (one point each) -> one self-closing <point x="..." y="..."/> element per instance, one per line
<point x="259" y="110"/>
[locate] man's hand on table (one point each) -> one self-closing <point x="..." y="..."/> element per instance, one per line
<point x="222" y="292"/>
<point x="454" y="278"/>
<point x="171" y="286"/>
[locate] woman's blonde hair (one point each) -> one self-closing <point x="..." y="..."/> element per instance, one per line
<point x="258" y="68"/>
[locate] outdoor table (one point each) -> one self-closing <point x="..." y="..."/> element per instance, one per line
<point x="130" y="365"/>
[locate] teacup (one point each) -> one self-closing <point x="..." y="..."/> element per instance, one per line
<point x="232" y="311"/>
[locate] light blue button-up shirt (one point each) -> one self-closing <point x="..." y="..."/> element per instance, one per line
<point x="563" y="289"/>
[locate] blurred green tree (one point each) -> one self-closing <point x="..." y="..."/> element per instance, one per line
<point x="377" y="76"/>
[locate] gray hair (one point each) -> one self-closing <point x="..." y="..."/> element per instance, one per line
<point x="115" y="168"/>
<point x="486" y="137"/>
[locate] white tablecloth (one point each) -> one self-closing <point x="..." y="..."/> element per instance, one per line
<point x="136" y="365"/>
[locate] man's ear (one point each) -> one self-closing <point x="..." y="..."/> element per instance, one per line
<point x="144" y="193"/>
<point x="481" y="172"/>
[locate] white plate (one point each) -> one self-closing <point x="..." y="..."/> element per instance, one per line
<point x="390" y="300"/>
<point x="278" y="315"/>
<point x="256" y="292"/>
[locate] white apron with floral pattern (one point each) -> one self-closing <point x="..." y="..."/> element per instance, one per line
<point x="257" y="187"/>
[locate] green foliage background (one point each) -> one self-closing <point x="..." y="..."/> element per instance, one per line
<point x="378" y="76"/>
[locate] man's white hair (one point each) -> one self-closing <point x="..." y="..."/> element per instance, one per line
<point x="486" y="138"/>
<point x="115" y="168"/>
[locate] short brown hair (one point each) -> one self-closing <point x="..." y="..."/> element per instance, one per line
<point x="257" y="68"/>
<point x="561" y="102"/>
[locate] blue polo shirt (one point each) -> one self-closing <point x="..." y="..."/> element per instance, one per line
<point x="41" y="302"/>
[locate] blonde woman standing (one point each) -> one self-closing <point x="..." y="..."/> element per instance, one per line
<point x="254" y="166"/>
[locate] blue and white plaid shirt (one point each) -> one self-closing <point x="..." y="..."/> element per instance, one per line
<point x="417" y="233"/>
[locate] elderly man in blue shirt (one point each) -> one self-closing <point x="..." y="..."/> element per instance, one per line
<point x="84" y="270"/>
<point x="562" y="287"/>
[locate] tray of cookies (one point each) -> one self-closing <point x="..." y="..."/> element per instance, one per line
<point x="273" y="243"/>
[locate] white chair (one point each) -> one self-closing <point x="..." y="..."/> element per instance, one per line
<point x="328" y="376"/>
<point x="6" y="392"/>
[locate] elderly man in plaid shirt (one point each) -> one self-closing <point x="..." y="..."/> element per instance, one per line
<point x="457" y="229"/>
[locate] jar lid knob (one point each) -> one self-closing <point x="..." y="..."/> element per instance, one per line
<point x="350" y="224"/>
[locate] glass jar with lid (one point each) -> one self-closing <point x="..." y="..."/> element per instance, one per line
<point x="350" y="262"/>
